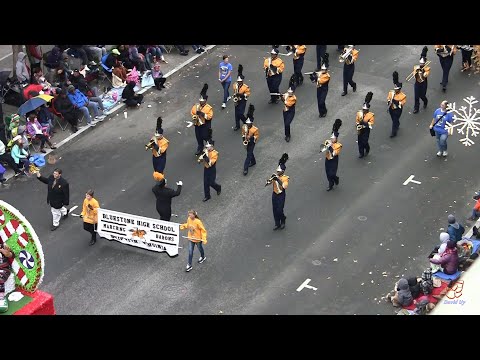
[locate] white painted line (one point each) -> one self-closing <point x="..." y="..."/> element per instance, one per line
<point x="410" y="179"/>
<point x="72" y="208"/>
<point x="305" y="285"/>
<point x="6" y="56"/>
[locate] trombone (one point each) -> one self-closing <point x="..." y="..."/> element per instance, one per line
<point x="244" y="136"/>
<point x="202" y="155"/>
<point x="150" y="144"/>
<point x="343" y="57"/>
<point x="415" y="70"/>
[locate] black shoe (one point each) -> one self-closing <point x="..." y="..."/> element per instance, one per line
<point x="282" y="226"/>
<point x="337" y="181"/>
<point x="236" y="128"/>
<point x="287" y="138"/>
<point x="92" y="242"/>
<point x="415" y="111"/>
<point x="75" y="129"/>
<point x="361" y="156"/>
<point x="392" y="135"/>
<point x="252" y="164"/>
<point x="344" y="93"/>
<point x="198" y="152"/>
<point x="323" y="115"/>
<point x="245" y="172"/>
<point x="444" y="89"/>
<point x="276" y="227"/>
<point x="367" y="152"/>
<point x="425" y="104"/>
<point x="207" y="198"/>
<point x="53" y="228"/>
<point x="198" y="51"/>
<point x="64" y="217"/>
<point x="219" y="191"/>
<point x="3" y="180"/>
<point x="271" y="101"/>
<point x="202" y="50"/>
<point x="354" y="87"/>
<point x="330" y="188"/>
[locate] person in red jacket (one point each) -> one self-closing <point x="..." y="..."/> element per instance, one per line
<point x="475" y="211"/>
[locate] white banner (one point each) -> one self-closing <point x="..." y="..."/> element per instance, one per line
<point x="139" y="231"/>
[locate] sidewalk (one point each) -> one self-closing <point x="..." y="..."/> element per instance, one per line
<point x="175" y="63"/>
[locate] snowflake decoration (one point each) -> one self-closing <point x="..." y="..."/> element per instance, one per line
<point x="466" y="122"/>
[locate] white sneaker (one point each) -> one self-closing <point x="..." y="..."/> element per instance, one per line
<point x="93" y="123"/>
<point x="202" y="259"/>
<point x="224" y="105"/>
<point x="100" y="118"/>
<point x="228" y="98"/>
<point x="445" y="153"/>
<point x="439" y="153"/>
<point x="188" y="268"/>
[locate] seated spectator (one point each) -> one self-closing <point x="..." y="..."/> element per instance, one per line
<point x="197" y="49"/>
<point x="5" y="157"/>
<point x="475" y="211"/>
<point x="78" y="52"/>
<point x="156" y="51"/>
<point x="14" y="124"/>
<point x="95" y="52"/>
<point x="64" y="106"/>
<point x="78" y="80"/>
<point x="449" y="259"/>
<point x="133" y="75"/>
<point x="120" y="71"/>
<point x="158" y="76"/>
<point x="19" y="155"/>
<point x="124" y="56"/>
<point x="455" y="230"/>
<point x="45" y="118"/>
<point x="182" y="50"/>
<point x="402" y="295"/>
<point x="37" y="131"/>
<point x="81" y="102"/>
<point x="39" y="78"/>
<point x="112" y="58"/>
<point x="131" y="99"/>
<point x="137" y="59"/>
<point x="31" y="91"/>
<point x="54" y="58"/>
<point x="21" y="68"/>
<point x="444" y="237"/>
<point x="414" y="286"/>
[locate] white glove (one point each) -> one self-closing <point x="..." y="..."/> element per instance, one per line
<point x="180" y="183"/>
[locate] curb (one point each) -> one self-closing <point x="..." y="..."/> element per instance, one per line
<point x="122" y="105"/>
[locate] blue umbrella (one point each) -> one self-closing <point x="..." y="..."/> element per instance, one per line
<point x="30" y="105"/>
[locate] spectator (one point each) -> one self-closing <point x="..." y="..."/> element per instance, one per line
<point x="197" y="49"/>
<point x="90" y="216"/>
<point x="182" y="50"/>
<point x="112" y="58"/>
<point x="35" y="56"/>
<point x="136" y="58"/>
<point x="95" y="52"/>
<point x="124" y="56"/>
<point x="444" y="237"/>
<point x="475" y="211"/>
<point x="225" y="78"/>
<point x="20" y="131"/>
<point x="45" y="118"/>
<point x="402" y="296"/>
<point x="78" y="80"/>
<point x="19" y="155"/>
<point x="78" y="52"/>
<point x="120" y="71"/>
<point x="131" y="99"/>
<point x="158" y="76"/>
<point x="54" y="58"/>
<point x="8" y="158"/>
<point x="440" y="119"/>
<point x="197" y="234"/>
<point x="157" y="51"/>
<point x="414" y="286"/>
<point x="64" y="106"/>
<point x="449" y="259"/>
<point x="133" y="75"/>
<point x="21" y="68"/>
<point x="81" y="102"/>
<point x="455" y="230"/>
<point x="35" y="130"/>
<point x="2" y="171"/>
<point x="14" y="124"/>
<point x="32" y="90"/>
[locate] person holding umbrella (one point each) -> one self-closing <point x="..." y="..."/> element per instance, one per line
<point x="30" y="105"/>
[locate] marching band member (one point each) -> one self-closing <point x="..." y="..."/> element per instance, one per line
<point x="445" y="54"/>
<point x="365" y="120"/>
<point x="322" y="79"/>
<point x="467" y="51"/>
<point x="209" y="158"/>
<point x="280" y="183"/>
<point x="250" y="135"/>
<point x="289" y="100"/>
<point x="349" y="69"/>
<point x="422" y="72"/>
<point x="159" y="148"/>
<point x="241" y="92"/>
<point x="331" y="156"/>
<point x="196" y="235"/>
<point x="202" y="115"/>
<point x="298" y="59"/>
<point x="274" y="67"/>
<point x="321" y="50"/>
<point x="396" y="100"/>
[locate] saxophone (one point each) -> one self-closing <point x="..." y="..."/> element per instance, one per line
<point x="201" y="157"/>
<point x="196" y="119"/>
<point x="245" y="131"/>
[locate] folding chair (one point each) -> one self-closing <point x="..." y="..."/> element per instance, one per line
<point x="169" y="48"/>
<point x="31" y="142"/>
<point x="58" y="116"/>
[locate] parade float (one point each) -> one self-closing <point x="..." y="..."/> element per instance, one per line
<point x="25" y="268"/>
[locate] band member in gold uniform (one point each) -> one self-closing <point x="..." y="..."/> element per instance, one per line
<point x="241" y="92"/>
<point x="445" y="54"/>
<point x="321" y="79"/>
<point x="396" y="100"/>
<point x="209" y="159"/>
<point x="421" y="73"/>
<point x="349" y="68"/>
<point x="332" y="149"/>
<point x="289" y="100"/>
<point x="273" y="67"/>
<point x="159" y="145"/>
<point x="280" y="183"/>
<point x="202" y="115"/>
<point x="250" y="135"/>
<point x="364" y="121"/>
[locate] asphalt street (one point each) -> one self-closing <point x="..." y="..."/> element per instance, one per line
<point x="352" y="242"/>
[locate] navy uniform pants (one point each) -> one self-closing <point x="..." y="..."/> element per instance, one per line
<point x="297" y="70"/>
<point x="395" y="115"/>
<point x="250" y="160"/>
<point x="209" y="176"/>
<point x="420" y="92"/>
<point x="348" y="71"/>
<point x="363" y="145"/>
<point x="331" y="167"/>
<point x="239" y="112"/>
<point x="159" y="162"/>
<point x="322" y="92"/>
<point x="278" y="202"/>
<point x="273" y="83"/>
<point x="321" y="50"/>
<point x="287" y="119"/>
<point x="446" y="63"/>
<point x="201" y="133"/>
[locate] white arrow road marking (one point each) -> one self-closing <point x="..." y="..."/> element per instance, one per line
<point x="305" y="285"/>
<point x="410" y="179"/>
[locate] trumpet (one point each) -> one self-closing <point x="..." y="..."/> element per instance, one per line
<point x="150" y="144"/>
<point x="343" y="57"/>
<point x="324" y="147"/>
<point x="270" y="180"/>
<point x="245" y="134"/>
<point x="202" y="156"/>
<point x="416" y="70"/>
